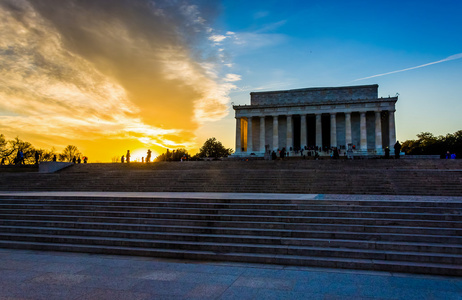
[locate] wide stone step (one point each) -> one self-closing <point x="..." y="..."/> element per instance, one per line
<point x="386" y="233"/>
<point x="290" y="218"/>
<point x="367" y="264"/>
<point x="423" y="257"/>
<point x="243" y="239"/>
<point x="327" y="201"/>
<point x="155" y="212"/>
<point x="249" y="222"/>
<point x="204" y="206"/>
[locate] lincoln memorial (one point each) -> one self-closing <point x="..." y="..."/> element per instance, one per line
<point x="316" y="119"/>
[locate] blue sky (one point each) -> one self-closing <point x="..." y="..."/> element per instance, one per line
<point x="298" y="44"/>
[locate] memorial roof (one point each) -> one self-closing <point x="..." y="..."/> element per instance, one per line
<point x="314" y="95"/>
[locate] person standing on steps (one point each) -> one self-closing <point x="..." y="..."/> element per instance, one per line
<point x="397" y="149"/>
<point x="128" y="156"/>
<point x="37" y="157"/>
<point x="122" y="159"/>
<point x="148" y="156"/>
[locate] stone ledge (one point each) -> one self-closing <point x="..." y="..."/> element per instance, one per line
<point x="53" y="166"/>
<point x="420" y="156"/>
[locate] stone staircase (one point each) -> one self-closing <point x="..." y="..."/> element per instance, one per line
<point x="384" y="233"/>
<point x="386" y="177"/>
<point x="418" y="234"/>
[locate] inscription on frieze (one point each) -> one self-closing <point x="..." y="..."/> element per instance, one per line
<point x="315" y="95"/>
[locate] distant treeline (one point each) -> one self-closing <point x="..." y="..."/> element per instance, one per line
<point x="9" y="152"/>
<point x="428" y="144"/>
<point x="212" y="148"/>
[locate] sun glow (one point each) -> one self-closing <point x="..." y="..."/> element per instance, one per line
<point x="108" y="79"/>
<point x="139" y="155"/>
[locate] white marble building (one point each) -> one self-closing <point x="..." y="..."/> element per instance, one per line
<point x="322" y="117"/>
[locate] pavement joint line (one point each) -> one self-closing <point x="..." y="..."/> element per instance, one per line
<point x="256" y="196"/>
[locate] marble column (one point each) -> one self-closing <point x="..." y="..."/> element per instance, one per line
<point x="391" y="126"/>
<point x="378" y="132"/>
<point x="275" y="133"/>
<point x="262" y="134"/>
<point x="318" y="130"/>
<point x="333" y="130"/>
<point x="348" y="139"/>
<point x="249" y="135"/>
<point x="238" y="135"/>
<point x="363" y="131"/>
<point x="289" y="133"/>
<point x="303" y="142"/>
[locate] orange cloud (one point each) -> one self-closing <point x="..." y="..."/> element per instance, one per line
<point x="126" y="74"/>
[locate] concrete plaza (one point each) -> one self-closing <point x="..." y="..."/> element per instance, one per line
<point x="58" y="275"/>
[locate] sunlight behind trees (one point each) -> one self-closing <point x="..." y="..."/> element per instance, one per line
<point x="9" y="151"/>
<point x="69" y="153"/>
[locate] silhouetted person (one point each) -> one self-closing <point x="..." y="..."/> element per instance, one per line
<point x="128" y="156"/>
<point x="142" y="159"/>
<point x="85" y="159"/>
<point x="148" y="156"/>
<point x="54" y="157"/>
<point x="74" y="160"/>
<point x="37" y="157"/>
<point x="122" y="159"/>
<point x="397" y="149"/>
<point x="335" y="154"/>
<point x="79" y="160"/>
<point x="387" y="152"/>
<point x="20" y="158"/>
<point x="273" y="155"/>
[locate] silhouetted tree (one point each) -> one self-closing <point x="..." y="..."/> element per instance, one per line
<point x="427" y="144"/>
<point x="214" y="148"/>
<point x="69" y="153"/>
<point x="16" y="145"/>
<point x="174" y="155"/>
<point x="3" y="147"/>
<point x="47" y="155"/>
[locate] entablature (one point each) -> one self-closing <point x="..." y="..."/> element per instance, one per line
<point x="363" y="105"/>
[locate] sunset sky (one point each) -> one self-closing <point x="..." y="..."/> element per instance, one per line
<point x="112" y="75"/>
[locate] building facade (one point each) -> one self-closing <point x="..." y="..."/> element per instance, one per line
<point x="316" y="118"/>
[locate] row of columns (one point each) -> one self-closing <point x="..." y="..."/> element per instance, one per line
<point x="333" y="131"/>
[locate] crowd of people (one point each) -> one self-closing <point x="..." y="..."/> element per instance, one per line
<point x="313" y="151"/>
